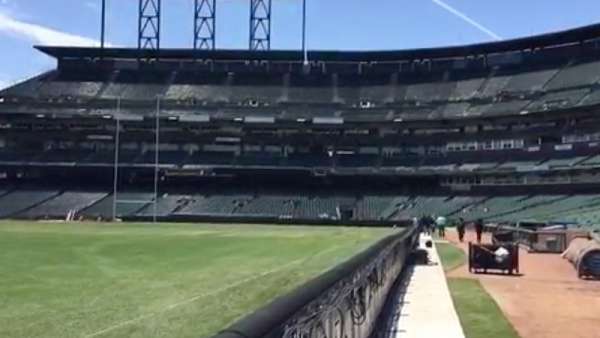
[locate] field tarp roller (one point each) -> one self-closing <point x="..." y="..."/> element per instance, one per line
<point x="584" y="253"/>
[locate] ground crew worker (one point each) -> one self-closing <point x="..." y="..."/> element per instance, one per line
<point x="460" y="228"/>
<point x="479" y="229"/>
<point x="441" y="226"/>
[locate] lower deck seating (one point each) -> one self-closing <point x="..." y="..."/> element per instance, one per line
<point x="373" y="207"/>
<point x="167" y="204"/>
<point x="301" y="205"/>
<point x="63" y="204"/>
<point x="128" y="204"/>
<point x="20" y="200"/>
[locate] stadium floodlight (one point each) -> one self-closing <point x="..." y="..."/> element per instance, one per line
<point x="149" y="24"/>
<point x="204" y="24"/>
<point x="260" y="24"/>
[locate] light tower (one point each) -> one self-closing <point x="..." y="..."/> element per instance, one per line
<point x="260" y="24"/>
<point x="204" y="24"/>
<point x="149" y="24"/>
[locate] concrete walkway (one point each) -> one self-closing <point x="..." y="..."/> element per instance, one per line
<point x="423" y="306"/>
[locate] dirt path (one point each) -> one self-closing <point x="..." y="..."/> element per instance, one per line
<point x="547" y="301"/>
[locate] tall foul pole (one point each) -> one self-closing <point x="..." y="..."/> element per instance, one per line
<point x="156" y="160"/>
<point x="116" y="163"/>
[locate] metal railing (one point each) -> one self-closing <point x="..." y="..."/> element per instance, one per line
<point x="549" y="241"/>
<point x="343" y="302"/>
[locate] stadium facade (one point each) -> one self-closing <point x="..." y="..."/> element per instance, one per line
<point x="504" y="131"/>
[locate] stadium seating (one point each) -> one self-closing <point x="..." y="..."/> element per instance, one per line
<point x="167" y="204"/>
<point x="18" y="201"/>
<point x="63" y="204"/>
<point x="559" y="100"/>
<point x="373" y="207"/>
<point x="491" y="207"/>
<point x="578" y="74"/>
<point x="128" y="204"/>
<point x="215" y="205"/>
<point x="530" y="82"/>
<point x="467" y="89"/>
<point x="463" y="132"/>
<point x="493" y="86"/>
<point x="50" y="204"/>
<point x="271" y="206"/>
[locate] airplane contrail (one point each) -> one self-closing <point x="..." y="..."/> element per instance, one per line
<point x="467" y="19"/>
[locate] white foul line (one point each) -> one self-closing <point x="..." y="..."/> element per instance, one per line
<point x="213" y="292"/>
<point x="467" y="19"/>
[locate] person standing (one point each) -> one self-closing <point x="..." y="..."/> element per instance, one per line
<point x="460" y="228"/>
<point x="440" y="222"/>
<point x="426" y="224"/>
<point x="479" y="229"/>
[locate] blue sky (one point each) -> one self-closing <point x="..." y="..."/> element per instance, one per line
<point x="333" y="24"/>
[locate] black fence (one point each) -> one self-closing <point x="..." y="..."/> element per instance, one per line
<point x="344" y="302"/>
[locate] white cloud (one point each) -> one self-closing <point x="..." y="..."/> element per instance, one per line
<point x="467" y="19"/>
<point x="3" y="84"/>
<point x="41" y="34"/>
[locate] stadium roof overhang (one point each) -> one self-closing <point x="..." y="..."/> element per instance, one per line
<point x="550" y="40"/>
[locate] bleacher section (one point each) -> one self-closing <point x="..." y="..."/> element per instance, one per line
<point x="18" y="201"/>
<point x="92" y="205"/>
<point x="167" y="205"/>
<point x="128" y="204"/>
<point x="63" y="204"/>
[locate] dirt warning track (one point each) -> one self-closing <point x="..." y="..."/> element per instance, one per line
<point x="547" y="300"/>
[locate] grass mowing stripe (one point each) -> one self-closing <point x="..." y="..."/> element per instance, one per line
<point x="479" y="314"/>
<point x="451" y="256"/>
<point x="69" y="280"/>
<point x="208" y="294"/>
<point x="195" y="298"/>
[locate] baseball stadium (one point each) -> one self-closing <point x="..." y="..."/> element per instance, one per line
<point x="449" y="191"/>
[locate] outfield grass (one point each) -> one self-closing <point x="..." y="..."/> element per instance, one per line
<point x="479" y="315"/>
<point x="451" y="256"/>
<point x="99" y="280"/>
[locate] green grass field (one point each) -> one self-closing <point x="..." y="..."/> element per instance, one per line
<point x="479" y="314"/>
<point x="100" y="280"/>
<point x="451" y="256"/>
